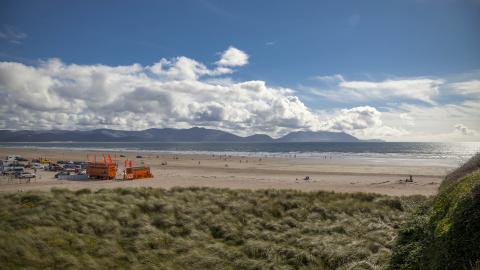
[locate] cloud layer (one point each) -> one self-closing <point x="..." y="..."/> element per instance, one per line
<point x="179" y="92"/>
<point x="420" y="89"/>
<point x="182" y="92"/>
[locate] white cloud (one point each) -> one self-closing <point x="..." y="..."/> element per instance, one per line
<point x="233" y="57"/>
<point x="421" y="89"/>
<point x="12" y="35"/>
<point x="467" y="88"/>
<point x="355" y="118"/>
<point x="364" y="122"/>
<point x="185" y="68"/>
<point x="330" y="78"/>
<point x="182" y="93"/>
<point x="434" y="123"/>
<point x="170" y="93"/>
<point x="463" y="130"/>
<point x="407" y="119"/>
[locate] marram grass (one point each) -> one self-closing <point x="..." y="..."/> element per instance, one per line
<point x="199" y="228"/>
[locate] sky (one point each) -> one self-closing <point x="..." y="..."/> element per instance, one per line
<point x="395" y="70"/>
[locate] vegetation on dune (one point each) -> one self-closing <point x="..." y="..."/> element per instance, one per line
<point x="445" y="232"/>
<point x="198" y="228"/>
<point x="471" y="165"/>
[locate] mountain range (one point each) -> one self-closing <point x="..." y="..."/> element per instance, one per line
<point x="195" y="134"/>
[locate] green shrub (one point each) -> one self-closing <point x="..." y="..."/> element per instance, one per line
<point x="470" y="166"/>
<point x="445" y="233"/>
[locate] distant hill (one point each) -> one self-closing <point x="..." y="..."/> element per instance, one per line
<point x="317" y="136"/>
<point x="195" y="134"/>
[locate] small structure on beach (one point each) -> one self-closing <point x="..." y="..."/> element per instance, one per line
<point x="138" y="172"/>
<point x="105" y="170"/>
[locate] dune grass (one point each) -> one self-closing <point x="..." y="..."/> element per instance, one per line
<point x="199" y="228"/>
<point x="471" y="165"/>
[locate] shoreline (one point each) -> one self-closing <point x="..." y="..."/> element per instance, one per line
<point x="408" y="158"/>
<point x="235" y="172"/>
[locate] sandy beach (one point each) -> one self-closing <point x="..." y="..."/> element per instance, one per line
<point x="236" y="172"/>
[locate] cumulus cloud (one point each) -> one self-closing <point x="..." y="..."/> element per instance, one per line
<point x="434" y="123"/>
<point x="182" y="68"/>
<point x="355" y="118"/>
<point x="182" y="92"/>
<point x="421" y="89"/>
<point x="363" y="121"/>
<point x="233" y="57"/>
<point x="179" y="92"/>
<point x="463" y="130"/>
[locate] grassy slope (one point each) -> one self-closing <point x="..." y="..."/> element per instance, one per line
<point x="198" y="228"/>
<point x="445" y="232"/>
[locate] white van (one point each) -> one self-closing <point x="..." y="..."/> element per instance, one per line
<point x="13" y="170"/>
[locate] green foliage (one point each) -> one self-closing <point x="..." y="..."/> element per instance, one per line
<point x="445" y="232"/>
<point x="198" y="228"/>
<point x="470" y="166"/>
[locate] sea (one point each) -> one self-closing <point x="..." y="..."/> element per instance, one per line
<point x="435" y="153"/>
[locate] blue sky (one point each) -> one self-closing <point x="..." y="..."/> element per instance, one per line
<point x="320" y="50"/>
<point x="288" y="43"/>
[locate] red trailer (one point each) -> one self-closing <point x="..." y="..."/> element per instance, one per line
<point x="138" y="172"/>
<point x="102" y="170"/>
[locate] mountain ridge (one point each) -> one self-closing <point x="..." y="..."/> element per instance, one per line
<point x="194" y="134"/>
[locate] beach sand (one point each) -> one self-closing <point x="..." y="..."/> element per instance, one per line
<point x="186" y="170"/>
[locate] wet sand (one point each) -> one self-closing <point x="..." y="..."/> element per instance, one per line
<point x="186" y="170"/>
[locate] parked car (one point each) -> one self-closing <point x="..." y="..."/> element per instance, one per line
<point x="13" y="170"/>
<point x="25" y="175"/>
<point x="38" y="166"/>
<point x="54" y="168"/>
<point x="69" y="166"/>
<point x="9" y="173"/>
<point x="61" y="173"/>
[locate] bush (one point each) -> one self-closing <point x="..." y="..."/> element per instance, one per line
<point x="445" y="232"/>
<point x="471" y="165"/>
